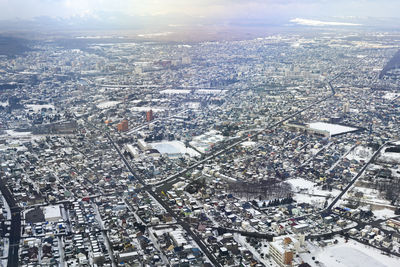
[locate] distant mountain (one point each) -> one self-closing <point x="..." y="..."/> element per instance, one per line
<point x="99" y="21"/>
<point x="181" y="27"/>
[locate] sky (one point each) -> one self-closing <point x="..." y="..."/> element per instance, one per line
<point x="212" y="10"/>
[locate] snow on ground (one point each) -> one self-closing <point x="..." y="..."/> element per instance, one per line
<point x="211" y="92"/>
<point x="17" y="134"/>
<point x="384" y="213"/>
<point x="390" y="157"/>
<point x="306" y="192"/>
<point x="38" y="108"/>
<point x="301" y="183"/>
<point x="174" y="91"/>
<point x="6" y="246"/>
<point x="372" y="196"/>
<point x="242" y="240"/>
<point x="174" y="147"/>
<point x="333" y="129"/>
<point x="3" y="104"/>
<point x="360" y="153"/>
<point x="318" y="202"/>
<point x="6" y="208"/>
<point x="368" y="192"/>
<point x="391" y="96"/>
<point x="194" y="105"/>
<point x="140" y="109"/>
<point x="248" y="144"/>
<point x="352" y="254"/>
<point x="107" y="104"/>
<point x="205" y="141"/>
<point x="199" y="91"/>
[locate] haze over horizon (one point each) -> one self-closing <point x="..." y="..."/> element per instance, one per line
<point x="175" y="13"/>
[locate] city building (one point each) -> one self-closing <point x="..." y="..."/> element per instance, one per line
<point x="122" y="126"/>
<point x="283" y="249"/>
<point x="346" y="107"/>
<point x="149" y="115"/>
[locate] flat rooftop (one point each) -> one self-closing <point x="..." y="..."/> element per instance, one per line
<point x="332" y="129"/>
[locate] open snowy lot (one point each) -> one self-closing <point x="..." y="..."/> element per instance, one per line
<point x="306" y="192"/>
<point x="350" y="254"/>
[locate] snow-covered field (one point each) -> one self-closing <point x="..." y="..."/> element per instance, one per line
<point x="16" y="139"/>
<point x="300" y="183"/>
<point x="173" y="147"/>
<point x="306" y="192"/>
<point x="333" y="129"/>
<point x="384" y="213"/>
<point x="351" y="254"/>
<point x="372" y="196"/>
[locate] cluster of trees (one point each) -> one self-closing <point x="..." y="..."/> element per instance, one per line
<point x="195" y="186"/>
<point x="265" y="189"/>
<point x="277" y="202"/>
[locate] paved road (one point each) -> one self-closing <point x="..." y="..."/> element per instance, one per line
<point x="15" y="230"/>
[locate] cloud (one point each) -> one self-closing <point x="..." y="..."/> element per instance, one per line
<point x="205" y="9"/>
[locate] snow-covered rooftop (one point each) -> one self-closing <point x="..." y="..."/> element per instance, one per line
<point x="174" y="147"/>
<point x="333" y="129"/>
<point x="52" y="213"/>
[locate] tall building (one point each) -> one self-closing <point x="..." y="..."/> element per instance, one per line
<point x="149" y="115"/>
<point x="346" y="107"/>
<point x="283" y="249"/>
<point x="123" y="126"/>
